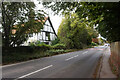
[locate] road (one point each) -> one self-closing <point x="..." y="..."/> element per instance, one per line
<point x="78" y="64"/>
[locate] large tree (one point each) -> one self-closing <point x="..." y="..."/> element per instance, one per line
<point x="18" y="20"/>
<point x="104" y="14"/>
<point x="75" y="32"/>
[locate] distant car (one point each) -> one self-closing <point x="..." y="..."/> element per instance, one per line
<point x="106" y="44"/>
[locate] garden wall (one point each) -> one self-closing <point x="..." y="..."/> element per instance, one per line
<point x="115" y="57"/>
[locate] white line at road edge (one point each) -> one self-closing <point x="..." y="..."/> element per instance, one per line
<point x="85" y="52"/>
<point x="34" y="72"/>
<point x="71" y="58"/>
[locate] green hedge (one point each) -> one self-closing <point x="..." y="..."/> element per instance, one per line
<point x="58" y="51"/>
<point x="94" y="44"/>
<point x="22" y="49"/>
<point x="40" y="46"/>
<point x="59" y="46"/>
<point x="56" y="41"/>
<point x="44" y="47"/>
<point x="27" y="49"/>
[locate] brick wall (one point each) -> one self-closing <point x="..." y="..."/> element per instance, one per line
<point x="115" y="57"/>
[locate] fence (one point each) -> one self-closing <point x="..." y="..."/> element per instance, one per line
<point x="115" y="57"/>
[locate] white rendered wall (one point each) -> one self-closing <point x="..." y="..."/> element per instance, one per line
<point x="41" y="36"/>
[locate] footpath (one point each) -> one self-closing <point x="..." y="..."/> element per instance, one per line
<point x="104" y="69"/>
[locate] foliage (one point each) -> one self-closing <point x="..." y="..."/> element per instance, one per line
<point x="9" y="58"/>
<point x="38" y="42"/>
<point x="12" y="57"/>
<point x="104" y="15"/>
<point x="74" y="32"/>
<point x="94" y="44"/>
<point x="22" y="49"/>
<point x="40" y="46"/>
<point x="59" y="46"/>
<point x="18" y="20"/>
<point x="54" y="42"/>
<point x="102" y="41"/>
<point x="58" y="51"/>
<point x="44" y="46"/>
<point x="32" y="44"/>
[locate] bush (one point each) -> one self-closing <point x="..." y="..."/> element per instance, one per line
<point x="58" y="51"/>
<point x="44" y="46"/>
<point x="59" y="46"/>
<point x="94" y="44"/>
<point x="38" y="42"/>
<point x="40" y="46"/>
<point x="54" y="42"/>
<point x="22" y="49"/>
<point x="31" y="44"/>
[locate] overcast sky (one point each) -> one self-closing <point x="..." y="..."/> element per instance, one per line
<point x="55" y="19"/>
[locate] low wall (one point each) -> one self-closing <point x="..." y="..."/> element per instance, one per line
<point x="115" y="57"/>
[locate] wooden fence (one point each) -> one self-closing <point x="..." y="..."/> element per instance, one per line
<point x="115" y="57"/>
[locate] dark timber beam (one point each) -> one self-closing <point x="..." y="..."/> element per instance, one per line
<point x="52" y="27"/>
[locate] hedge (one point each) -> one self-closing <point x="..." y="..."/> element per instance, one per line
<point x="59" y="46"/>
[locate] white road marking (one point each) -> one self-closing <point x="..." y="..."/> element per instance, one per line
<point x="71" y="58"/>
<point x="34" y="72"/>
<point x="85" y="52"/>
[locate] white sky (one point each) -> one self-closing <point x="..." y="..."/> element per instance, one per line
<point x="55" y="19"/>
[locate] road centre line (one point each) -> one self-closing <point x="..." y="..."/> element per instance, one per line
<point x="34" y="72"/>
<point x="85" y="52"/>
<point x="71" y="58"/>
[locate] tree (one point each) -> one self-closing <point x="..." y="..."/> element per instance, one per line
<point x="101" y="14"/>
<point x="105" y="15"/>
<point x="74" y="32"/>
<point x="18" y="20"/>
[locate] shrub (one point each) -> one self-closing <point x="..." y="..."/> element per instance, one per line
<point x="59" y="46"/>
<point x="54" y="42"/>
<point x="94" y="44"/>
<point x="44" y="46"/>
<point x="38" y="42"/>
<point x="31" y="44"/>
<point x="58" y="51"/>
<point x="40" y="46"/>
<point x="21" y="49"/>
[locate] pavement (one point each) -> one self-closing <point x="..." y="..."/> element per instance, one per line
<point x="106" y="71"/>
<point x="78" y="64"/>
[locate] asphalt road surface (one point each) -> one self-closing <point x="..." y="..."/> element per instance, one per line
<point x="78" y="64"/>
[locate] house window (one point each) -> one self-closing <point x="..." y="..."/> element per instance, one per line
<point x="48" y="35"/>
